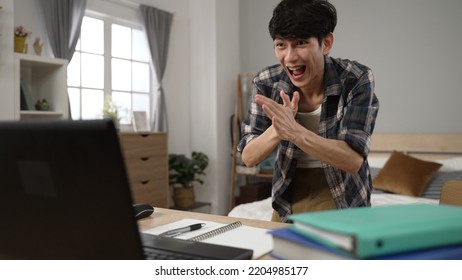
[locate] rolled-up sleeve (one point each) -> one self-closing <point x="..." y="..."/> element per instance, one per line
<point x="268" y="82"/>
<point x="359" y="115"/>
<point x="255" y="122"/>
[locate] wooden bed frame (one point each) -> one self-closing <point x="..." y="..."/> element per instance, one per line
<point x="421" y="145"/>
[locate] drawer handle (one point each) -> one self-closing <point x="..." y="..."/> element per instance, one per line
<point x="144" y="158"/>
<point x="144" y="182"/>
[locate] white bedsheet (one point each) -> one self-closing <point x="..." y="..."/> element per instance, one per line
<point x="261" y="210"/>
<point x="378" y="199"/>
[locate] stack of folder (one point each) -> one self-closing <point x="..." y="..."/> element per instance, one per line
<point x="411" y="231"/>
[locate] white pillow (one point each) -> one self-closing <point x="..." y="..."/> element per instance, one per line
<point x="450" y="164"/>
<point x="377" y="162"/>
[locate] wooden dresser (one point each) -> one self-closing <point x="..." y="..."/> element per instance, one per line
<point x="146" y="160"/>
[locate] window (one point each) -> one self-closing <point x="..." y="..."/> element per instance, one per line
<point x="111" y="63"/>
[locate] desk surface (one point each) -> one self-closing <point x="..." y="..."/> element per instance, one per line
<point x="162" y="216"/>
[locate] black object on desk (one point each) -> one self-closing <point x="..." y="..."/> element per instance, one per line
<point x="142" y="210"/>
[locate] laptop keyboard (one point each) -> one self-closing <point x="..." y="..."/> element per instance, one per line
<point x="155" y="254"/>
<point x="168" y="248"/>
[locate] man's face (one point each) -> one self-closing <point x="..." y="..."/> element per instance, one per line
<point x="302" y="59"/>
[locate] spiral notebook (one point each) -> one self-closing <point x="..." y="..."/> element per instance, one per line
<point x="234" y="234"/>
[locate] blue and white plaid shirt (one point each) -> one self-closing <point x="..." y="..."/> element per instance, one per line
<point x="348" y="113"/>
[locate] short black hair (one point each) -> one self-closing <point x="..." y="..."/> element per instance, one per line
<point x="303" y="19"/>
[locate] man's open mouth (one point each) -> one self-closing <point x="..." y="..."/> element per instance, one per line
<point x="296" y="71"/>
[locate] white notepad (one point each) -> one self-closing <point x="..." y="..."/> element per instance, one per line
<point x="242" y="236"/>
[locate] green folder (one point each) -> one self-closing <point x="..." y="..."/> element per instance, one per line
<point x="374" y="231"/>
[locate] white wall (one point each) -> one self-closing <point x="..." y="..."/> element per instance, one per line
<point x="6" y="60"/>
<point x="413" y="47"/>
<point x="256" y="44"/>
<point x="214" y="66"/>
<point x="227" y="68"/>
<point x="26" y="13"/>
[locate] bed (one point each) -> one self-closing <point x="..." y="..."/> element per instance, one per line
<point x="406" y="168"/>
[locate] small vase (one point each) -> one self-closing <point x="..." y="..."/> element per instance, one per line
<point x="184" y="197"/>
<point x="19" y="44"/>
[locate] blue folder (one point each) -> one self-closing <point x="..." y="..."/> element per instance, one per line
<point x="310" y="246"/>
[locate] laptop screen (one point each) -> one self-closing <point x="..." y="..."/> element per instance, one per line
<point x="64" y="192"/>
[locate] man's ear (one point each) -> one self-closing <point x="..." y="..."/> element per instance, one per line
<point x="327" y="43"/>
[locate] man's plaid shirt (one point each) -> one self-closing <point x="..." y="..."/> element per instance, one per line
<point x="348" y="113"/>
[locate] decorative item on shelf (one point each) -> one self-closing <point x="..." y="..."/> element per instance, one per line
<point x="20" y="36"/>
<point x="38" y="46"/>
<point x="27" y="101"/>
<point x="183" y="171"/>
<point x="42" y="105"/>
<point x="110" y="111"/>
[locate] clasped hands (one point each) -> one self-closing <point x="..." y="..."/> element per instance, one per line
<point x="282" y="115"/>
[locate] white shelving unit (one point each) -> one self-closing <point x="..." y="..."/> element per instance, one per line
<point x="47" y="79"/>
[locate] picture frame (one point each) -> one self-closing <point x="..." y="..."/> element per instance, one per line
<point x="140" y="121"/>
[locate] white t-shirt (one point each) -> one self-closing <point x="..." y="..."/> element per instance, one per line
<point x="309" y="121"/>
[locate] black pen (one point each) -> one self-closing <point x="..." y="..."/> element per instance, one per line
<point x="178" y="231"/>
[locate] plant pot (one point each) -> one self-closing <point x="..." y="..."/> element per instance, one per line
<point x="19" y="44"/>
<point x="184" y="197"/>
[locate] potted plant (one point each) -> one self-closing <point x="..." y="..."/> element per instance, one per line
<point x="110" y="111"/>
<point x="183" y="172"/>
<point x="20" y="36"/>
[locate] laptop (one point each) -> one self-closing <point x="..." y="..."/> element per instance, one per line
<point x="64" y="194"/>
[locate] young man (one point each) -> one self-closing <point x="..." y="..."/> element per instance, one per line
<point x="317" y="111"/>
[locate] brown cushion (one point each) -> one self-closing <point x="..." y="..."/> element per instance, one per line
<point x="403" y="174"/>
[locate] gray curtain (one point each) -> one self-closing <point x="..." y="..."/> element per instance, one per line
<point x="157" y="24"/>
<point x="63" y="19"/>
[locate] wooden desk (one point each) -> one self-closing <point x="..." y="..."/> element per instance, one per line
<point x="162" y="216"/>
<point x="198" y="205"/>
